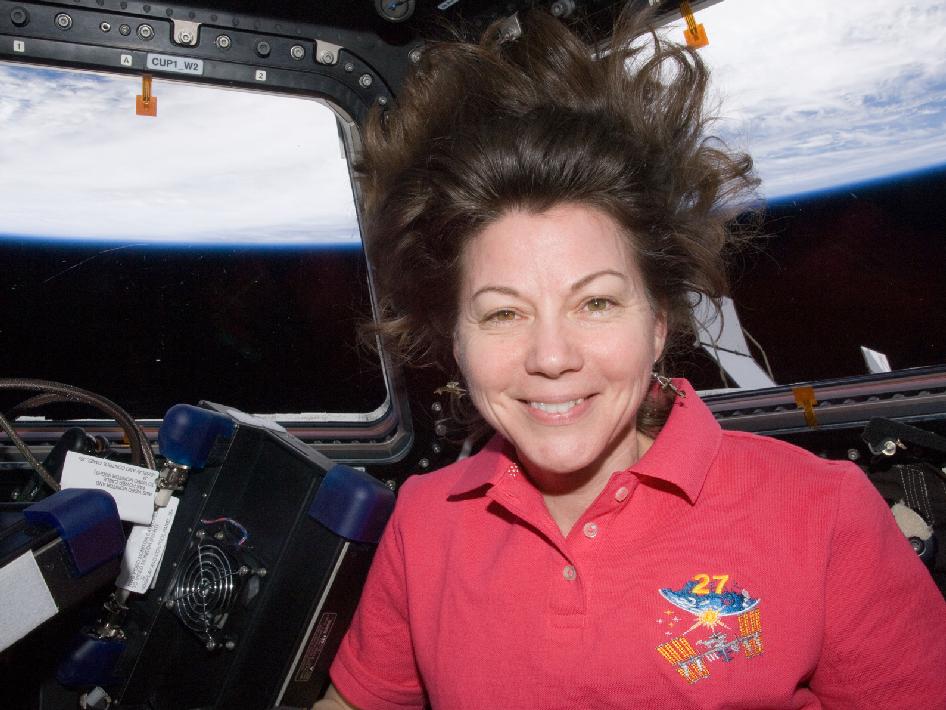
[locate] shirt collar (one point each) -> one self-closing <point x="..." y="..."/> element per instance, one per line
<point x="681" y="454"/>
<point x="486" y="467"/>
<point x="686" y="447"/>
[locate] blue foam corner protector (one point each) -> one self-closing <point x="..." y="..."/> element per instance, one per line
<point x="91" y="662"/>
<point x="88" y="523"/>
<point x="188" y="434"/>
<point x="352" y="504"/>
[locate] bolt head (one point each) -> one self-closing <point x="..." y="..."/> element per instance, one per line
<point x="326" y="58"/>
<point x="365" y="80"/>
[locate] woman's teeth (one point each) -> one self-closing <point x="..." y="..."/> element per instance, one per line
<point x="558" y="407"/>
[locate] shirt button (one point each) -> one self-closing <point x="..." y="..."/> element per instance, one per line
<point x="591" y="529"/>
<point x="569" y="573"/>
<point x="621" y="494"/>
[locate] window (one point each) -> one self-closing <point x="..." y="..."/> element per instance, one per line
<point x="210" y="252"/>
<point x="842" y="107"/>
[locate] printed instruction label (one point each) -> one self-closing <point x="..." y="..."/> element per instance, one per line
<point x="132" y="487"/>
<point x="178" y="65"/>
<point x="145" y="550"/>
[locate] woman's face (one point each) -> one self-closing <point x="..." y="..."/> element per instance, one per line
<point x="556" y="340"/>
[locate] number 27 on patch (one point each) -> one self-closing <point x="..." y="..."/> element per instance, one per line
<point x="703" y="583"/>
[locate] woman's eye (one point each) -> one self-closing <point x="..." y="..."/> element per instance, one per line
<point x="598" y="304"/>
<point x="502" y="315"/>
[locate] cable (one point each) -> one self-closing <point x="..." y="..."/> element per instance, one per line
<point x="141" y="453"/>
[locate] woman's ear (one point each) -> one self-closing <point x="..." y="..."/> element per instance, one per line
<point x="660" y="333"/>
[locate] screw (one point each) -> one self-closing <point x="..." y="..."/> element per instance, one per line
<point x="218" y="535"/>
<point x="390" y="483"/>
<point x="436" y="408"/>
<point x="263" y="49"/>
<point x="382" y="101"/>
<point x="200" y="534"/>
<point x="185" y="37"/>
<point x="436" y="447"/>
<point x="105" y="27"/>
<point x="297" y="51"/>
<point x="63" y="21"/>
<point x="890" y="447"/>
<point x="853" y="454"/>
<point x="145" y="32"/>
<point x="261" y="572"/>
<point x="169" y="603"/>
<point x="19" y="17"/>
<point x="365" y="81"/>
<point x="124" y="30"/>
<point x="243" y="571"/>
<point x="440" y="429"/>
<point x="223" y="41"/>
<point x="415" y="54"/>
<point x="211" y="644"/>
<point x="326" y="57"/>
<point x="349" y="67"/>
<point x="229" y="645"/>
<point x="423" y="463"/>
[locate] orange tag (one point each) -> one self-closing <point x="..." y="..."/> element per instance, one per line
<point x="145" y="103"/>
<point x="696" y="37"/>
<point x="695" y="34"/>
<point x="805" y="398"/>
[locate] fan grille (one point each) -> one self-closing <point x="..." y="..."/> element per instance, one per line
<point x="206" y="589"/>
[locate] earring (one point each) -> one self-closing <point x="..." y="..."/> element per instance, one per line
<point x="667" y="384"/>
<point x="452" y="388"/>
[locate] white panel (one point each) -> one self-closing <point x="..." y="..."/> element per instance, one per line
<point x="25" y="600"/>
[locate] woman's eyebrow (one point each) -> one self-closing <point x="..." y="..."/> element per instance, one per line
<point x="505" y="290"/>
<point x="577" y="286"/>
<point x="582" y="282"/>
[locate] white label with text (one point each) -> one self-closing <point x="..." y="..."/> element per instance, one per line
<point x="180" y="65"/>
<point x="145" y="550"/>
<point x="132" y="487"/>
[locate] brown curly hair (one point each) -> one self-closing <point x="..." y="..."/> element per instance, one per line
<point x="485" y="128"/>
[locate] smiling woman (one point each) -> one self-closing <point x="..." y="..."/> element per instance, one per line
<point x="538" y="217"/>
<point x="557" y="337"/>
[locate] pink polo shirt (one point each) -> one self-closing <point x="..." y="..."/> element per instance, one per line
<point x="723" y="569"/>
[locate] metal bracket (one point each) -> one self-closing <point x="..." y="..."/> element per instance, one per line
<point x="326" y="52"/>
<point x="186" y="32"/>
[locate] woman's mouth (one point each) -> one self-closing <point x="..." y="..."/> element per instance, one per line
<point x="557" y="407"/>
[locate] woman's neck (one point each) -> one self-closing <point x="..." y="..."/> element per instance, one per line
<point x="568" y="497"/>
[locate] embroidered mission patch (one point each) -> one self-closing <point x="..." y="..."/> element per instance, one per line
<point x="721" y="622"/>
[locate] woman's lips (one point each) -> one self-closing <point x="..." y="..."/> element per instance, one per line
<point x="561" y="412"/>
<point x="556" y="407"/>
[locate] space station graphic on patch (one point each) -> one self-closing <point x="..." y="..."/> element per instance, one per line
<point x="708" y="620"/>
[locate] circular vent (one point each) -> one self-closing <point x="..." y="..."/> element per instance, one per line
<point x="206" y="589"/>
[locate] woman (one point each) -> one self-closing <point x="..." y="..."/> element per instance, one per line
<point x="539" y="221"/>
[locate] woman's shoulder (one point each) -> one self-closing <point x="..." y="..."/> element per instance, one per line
<point x="764" y="457"/>
<point x="436" y="486"/>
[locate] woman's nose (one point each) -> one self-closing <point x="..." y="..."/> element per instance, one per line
<point x="554" y="348"/>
